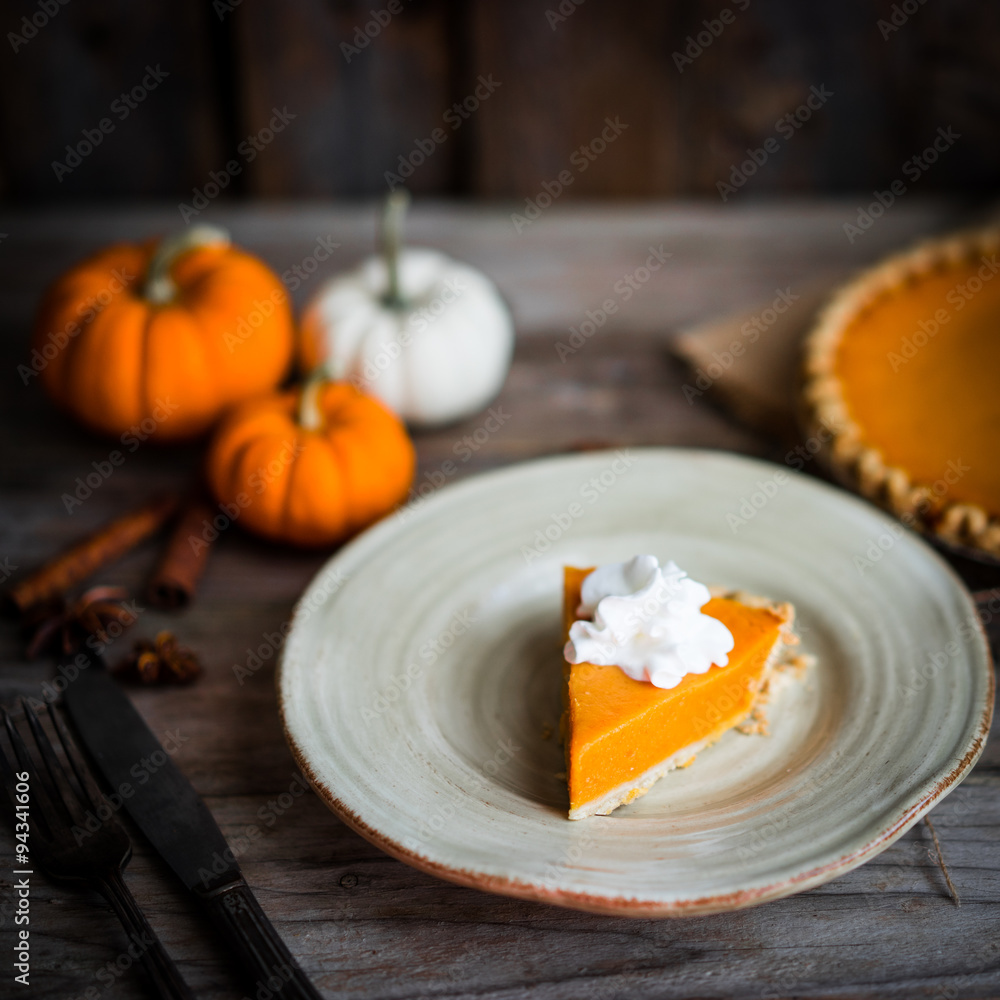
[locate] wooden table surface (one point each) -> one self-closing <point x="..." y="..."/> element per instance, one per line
<point x="361" y="923"/>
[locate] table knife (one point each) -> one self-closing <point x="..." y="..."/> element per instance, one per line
<point x="165" y="806"/>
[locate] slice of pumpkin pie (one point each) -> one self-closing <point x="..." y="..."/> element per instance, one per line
<point x="656" y="670"/>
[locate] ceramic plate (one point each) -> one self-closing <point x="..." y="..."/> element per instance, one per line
<point x="420" y="684"/>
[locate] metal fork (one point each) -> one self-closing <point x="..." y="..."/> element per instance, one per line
<point x="62" y="843"/>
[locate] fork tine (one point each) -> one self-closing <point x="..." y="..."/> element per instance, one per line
<point x="68" y="805"/>
<point x="41" y="792"/>
<point x="88" y="785"/>
<point x="7" y="774"/>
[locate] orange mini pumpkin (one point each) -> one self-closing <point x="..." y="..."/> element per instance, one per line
<point x="158" y="340"/>
<point x="310" y="467"/>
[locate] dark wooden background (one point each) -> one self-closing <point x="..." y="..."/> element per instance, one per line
<point x="231" y="61"/>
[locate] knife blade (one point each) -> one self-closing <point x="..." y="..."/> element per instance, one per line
<point x="165" y="806"/>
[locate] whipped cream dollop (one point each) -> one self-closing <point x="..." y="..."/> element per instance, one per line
<point x="647" y="620"/>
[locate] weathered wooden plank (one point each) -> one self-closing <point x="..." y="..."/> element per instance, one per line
<point x="364" y="925"/>
<point x="365" y="90"/>
<point x="697" y="85"/>
<point x="551" y="273"/>
<point x="703" y="86"/>
<point x="599" y="64"/>
<point x="943" y="63"/>
<point x="88" y="64"/>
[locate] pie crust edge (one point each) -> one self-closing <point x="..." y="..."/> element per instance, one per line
<point x="826" y="418"/>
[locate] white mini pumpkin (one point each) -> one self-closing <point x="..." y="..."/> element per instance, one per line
<point x="429" y="336"/>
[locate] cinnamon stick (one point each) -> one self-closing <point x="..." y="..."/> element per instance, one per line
<point x="175" y="579"/>
<point x="85" y="557"/>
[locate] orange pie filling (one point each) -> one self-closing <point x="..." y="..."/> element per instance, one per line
<point x="900" y="386"/>
<point x="621" y="735"/>
<point x="919" y="370"/>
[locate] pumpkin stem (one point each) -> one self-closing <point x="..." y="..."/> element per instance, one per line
<point x="310" y="415"/>
<point x="159" y="287"/>
<point x="391" y="238"/>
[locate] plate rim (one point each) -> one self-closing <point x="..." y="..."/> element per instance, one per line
<point x="621" y="905"/>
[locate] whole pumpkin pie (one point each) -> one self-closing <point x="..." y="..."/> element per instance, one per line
<point x="902" y="387"/>
<point x="622" y="732"/>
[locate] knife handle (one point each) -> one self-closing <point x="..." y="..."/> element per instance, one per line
<point x="235" y="910"/>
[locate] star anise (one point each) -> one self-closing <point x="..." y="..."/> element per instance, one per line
<point x="99" y="612"/>
<point x="160" y="661"/>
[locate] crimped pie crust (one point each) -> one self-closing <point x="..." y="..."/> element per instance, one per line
<point x="826" y="417"/>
